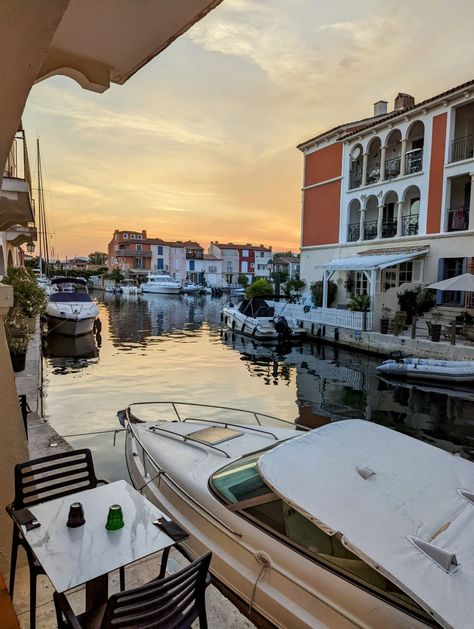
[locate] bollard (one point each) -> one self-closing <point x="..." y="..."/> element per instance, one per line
<point x="452" y="332"/>
<point x="413" y="328"/>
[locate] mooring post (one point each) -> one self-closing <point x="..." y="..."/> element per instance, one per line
<point x="413" y="327"/>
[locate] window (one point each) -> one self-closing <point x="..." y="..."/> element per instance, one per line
<point x="191" y="265"/>
<point x="176" y="265"/>
<point x="228" y="278"/>
<point x="160" y="250"/>
<point x="229" y="266"/>
<point x="405" y="271"/>
<point x="212" y="269"/>
<point x="138" y="236"/>
<point x="160" y="264"/>
<point x="395" y="276"/>
<point x="452" y="267"/>
<point x="139" y="247"/>
<point x="360" y="283"/>
<point x="246" y="493"/>
<point x="245" y="253"/>
<point x="125" y="236"/>
<point x="262" y="253"/>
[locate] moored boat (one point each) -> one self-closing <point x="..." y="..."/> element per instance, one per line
<point x="191" y="289"/>
<point x="70" y="310"/>
<point x="129" y="287"/>
<point x="443" y="371"/>
<point x="255" y="318"/>
<point x="161" y="283"/>
<point x="351" y="524"/>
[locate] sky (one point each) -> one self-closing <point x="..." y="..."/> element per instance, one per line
<point x="201" y="143"/>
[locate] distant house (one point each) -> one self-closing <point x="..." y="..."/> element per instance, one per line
<point x="248" y="259"/>
<point x="129" y="252"/>
<point x="286" y="264"/>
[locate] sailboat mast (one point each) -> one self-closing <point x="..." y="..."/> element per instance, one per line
<point x="43" y="230"/>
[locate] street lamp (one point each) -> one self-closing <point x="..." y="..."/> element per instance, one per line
<point x="30" y="247"/>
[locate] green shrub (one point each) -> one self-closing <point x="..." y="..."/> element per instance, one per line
<point x="29" y="299"/>
<point x="416" y="301"/>
<point x="316" y="289"/>
<point x="360" y="303"/>
<point x="242" y="280"/>
<point x="259" y="288"/>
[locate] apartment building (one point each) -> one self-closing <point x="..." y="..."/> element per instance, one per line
<point x="238" y="259"/>
<point x="286" y="264"/>
<point x="129" y="252"/>
<point x="388" y="201"/>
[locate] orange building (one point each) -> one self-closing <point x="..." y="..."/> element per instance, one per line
<point x="129" y="251"/>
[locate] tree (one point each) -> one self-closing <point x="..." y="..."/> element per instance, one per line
<point x="260" y="288"/>
<point x="116" y="275"/>
<point x="282" y="276"/>
<point x="243" y="280"/>
<point x="97" y="257"/>
<point x="316" y="289"/>
<point x="292" y="288"/>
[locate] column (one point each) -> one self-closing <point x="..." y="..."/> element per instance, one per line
<point x="365" y="158"/>
<point x="325" y="289"/>
<point x="380" y="221"/>
<point x="471" y="204"/>
<point x="383" y="157"/>
<point x="363" y="210"/>
<point x="399" y="218"/>
<point x="403" y="156"/>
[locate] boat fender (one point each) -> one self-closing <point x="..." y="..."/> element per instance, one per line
<point x="98" y="325"/>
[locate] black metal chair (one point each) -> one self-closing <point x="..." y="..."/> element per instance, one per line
<point x="172" y="602"/>
<point x="38" y="481"/>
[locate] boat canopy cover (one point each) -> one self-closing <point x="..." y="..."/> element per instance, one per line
<point x="256" y="307"/>
<point x="405" y="507"/>
<point x="372" y="262"/>
<point x="69" y="280"/>
<point x="69" y="297"/>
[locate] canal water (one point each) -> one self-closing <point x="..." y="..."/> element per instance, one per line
<point x="166" y="348"/>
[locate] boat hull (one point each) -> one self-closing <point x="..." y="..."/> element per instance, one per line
<point x="261" y="329"/>
<point x="445" y="372"/>
<point x="161" y="290"/>
<point x="70" y="327"/>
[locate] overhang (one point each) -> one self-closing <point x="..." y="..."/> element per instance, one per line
<point x="16" y="207"/>
<point x="99" y="42"/>
<point x="19" y="235"/>
<point x="372" y="262"/>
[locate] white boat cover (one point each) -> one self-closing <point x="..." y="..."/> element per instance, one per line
<point x="372" y="262"/>
<point x="377" y="488"/>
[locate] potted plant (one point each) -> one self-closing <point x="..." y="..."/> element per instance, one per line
<point x="436" y="317"/>
<point x="18" y="336"/>
<point x="385" y="319"/>
<point x="28" y="297"/>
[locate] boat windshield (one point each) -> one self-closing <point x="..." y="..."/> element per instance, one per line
<point x="241" y="486"/>
<point x="70" y="296"/>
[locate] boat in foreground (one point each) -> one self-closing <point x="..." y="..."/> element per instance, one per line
<point x="255" y="318"/>
<point x="348" y="525"/>
<point x="161" y="283"/>
<point x="70" y="310"/>
<point x="444" y="371"/>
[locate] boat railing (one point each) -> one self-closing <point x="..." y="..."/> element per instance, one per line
<point x="225" y="424"/>
<point x="190" y="438"/>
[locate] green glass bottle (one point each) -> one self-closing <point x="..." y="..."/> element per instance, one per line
<point x="115" y="518"/>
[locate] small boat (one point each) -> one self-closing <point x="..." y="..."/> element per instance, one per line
<point x="348" y="525"/>
<point x="189" y="288"/>
<point x="162" y="284"/>
<point x="445" y="371"/>
<point x="129" y="287"/>
<point x="255" y="318"/>
<point x="237" y="291"/>
<point x="70" y="310"/>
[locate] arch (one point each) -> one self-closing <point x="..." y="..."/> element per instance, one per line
<point x="415" y="143"/>
<point x="373" y="160"/>
<point x="390" y="197"/>
<point x="10" y="260"/>
<point x="353" y="220"/>
<point x="355" y="166"/>
<point x="371" y="217"/>
<point x="393" y="154"/>
<point x="410" y="216"/>
<point x="410" y="193"/>
<point x="393" y="138"/>
<point x="2" y="262"/>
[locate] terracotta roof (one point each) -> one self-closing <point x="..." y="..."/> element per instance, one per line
<point x="231" y="245"/>
<point x="210" y="256"/>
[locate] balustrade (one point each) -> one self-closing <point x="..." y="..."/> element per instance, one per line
<point x="458" y="219"/>
<point x="462" y="148"/>
<point x="389" y="229"/>
<point x="392" y="168"/>
<point x="410" y="225"/>
<point x="370" y="230"/>
<point x="353" y="232"/>
<point x="355" y="177"/>
<point x="413" y="161"/>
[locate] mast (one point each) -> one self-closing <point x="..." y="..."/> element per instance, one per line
<point x="43" y="230"/>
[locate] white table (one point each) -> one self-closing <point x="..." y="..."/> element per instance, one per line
<point x="73" y="556"/>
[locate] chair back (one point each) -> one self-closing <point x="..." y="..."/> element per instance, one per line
<point x="175" y="601"/>
<point x="53" y="476"/>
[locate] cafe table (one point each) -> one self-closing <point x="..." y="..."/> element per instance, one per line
<point x="86" y="554"/>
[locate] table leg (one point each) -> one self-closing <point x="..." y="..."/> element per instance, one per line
<point x="97" y="591"/>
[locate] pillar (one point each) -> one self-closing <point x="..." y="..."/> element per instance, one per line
<point x="363" y="210"/>
<point x="380" y="221"/>
<point x="325" y="289"/>
<point x="471" y="204"/>
<point x="383" y="158"/>
<point x="400" y="205"/>
<point x="365" y="158"/>
<point x="403" y="156"/>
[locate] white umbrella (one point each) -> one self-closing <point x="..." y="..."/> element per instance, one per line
<point x="464" y="282"/>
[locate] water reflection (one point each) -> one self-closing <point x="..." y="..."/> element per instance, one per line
<point x="71" y="353"/>
<point x="158" y="347"/>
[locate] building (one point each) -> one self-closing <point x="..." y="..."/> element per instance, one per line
<point x="247" y="259"/>
<point x="388" y="201"/>
<point x="286" y="264"/>
<point x="129" y="252"/>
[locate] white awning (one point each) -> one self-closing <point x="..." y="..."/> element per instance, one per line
<point x="372" y="262"/>
<point x="403" y="506"/>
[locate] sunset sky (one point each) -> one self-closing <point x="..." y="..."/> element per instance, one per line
<point x="200" y="143"/>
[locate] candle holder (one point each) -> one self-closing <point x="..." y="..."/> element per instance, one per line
<point x="115" y="518"/>
<point x="76" y="515"/>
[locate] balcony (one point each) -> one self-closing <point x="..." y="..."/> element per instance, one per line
<point x="462" y="148"/>
<point x="353" y="232"/>
<point x="389" y="229"/>
<point x="18" y="235"/>
<point x="355" y="178"/>
<point x="413" y="161"/>
<point x="392" y="168"/>
<point x="373" y="173"/>
<point x="370" y="230"/>
<point x="458" y="219"/>
<point x="410" y="225"/>
<point x="132" y="253"/>
<point x="16" y="204"/>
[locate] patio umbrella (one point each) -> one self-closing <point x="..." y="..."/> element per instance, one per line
<point x="464" y="282"/>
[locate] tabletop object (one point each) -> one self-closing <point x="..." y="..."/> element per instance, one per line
<point x="73" y="556"/>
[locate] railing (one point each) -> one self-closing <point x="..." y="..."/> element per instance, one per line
<point x="353" y="232"/>
<point x="128" y="253"/>
<point x="392" y="167"/>
<point x="325" y="316"/>
<point x="462" y="148"/>
<point x="413" y="161"/>
<point x="458" y="219"/>
<point x="410" y="225"/>
<point x="373" y="173"/>
<point x="17" y="164"/>
<point x="370" y="230"/>
<point x="355" y="178"/>
<point x="389" y="229"/>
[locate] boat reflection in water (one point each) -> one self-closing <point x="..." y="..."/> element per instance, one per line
<point x="334" y="384"/>
<point x="71" y="353"/>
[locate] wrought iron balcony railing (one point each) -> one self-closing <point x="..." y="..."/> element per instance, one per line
<point x="355" y="178"/>
<point x="132" y="253"/>
<point x="413" y="161"/>
<point x="458" y="219"/>
<point x="353" y="232"/>
<point x="370" y="230"/>
<point x="389" y="229"/>
<point x="410" y="225"/>
<point x="373" y="173"/>
<point x="392" y="168"/>
<point x="462" y="148"/>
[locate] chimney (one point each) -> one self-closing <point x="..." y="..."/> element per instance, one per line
<point x="404" y="101"/>
<point x="380" y="107"/>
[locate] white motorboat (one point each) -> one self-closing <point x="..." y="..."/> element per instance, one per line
<point x="191" y="289"/>
<point x="43" y="281"/>
<point x="129" y="287"/>
<point x="255" y="318"/>
<point x="348" y="525"/>
<point x="443" y="371"/>
<point x="162" y="284"/>
<point x="70" y="309"/>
